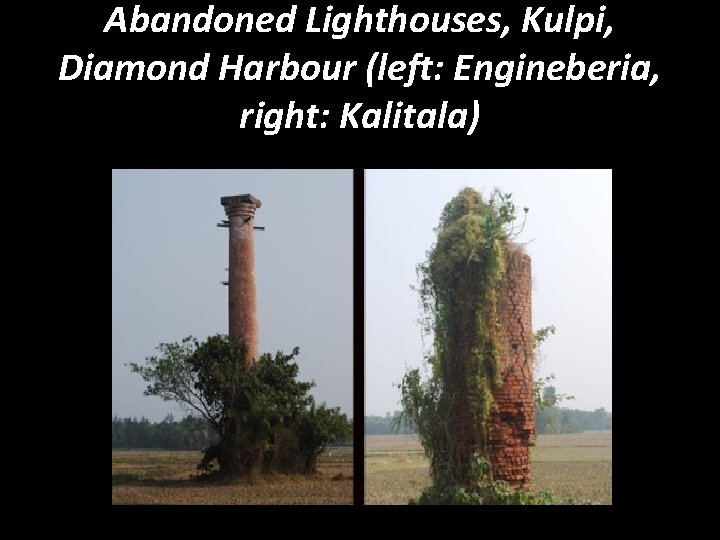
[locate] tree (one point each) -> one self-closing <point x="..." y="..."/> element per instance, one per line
<point x="116" y="432"/>
<point x="319" y="427"/>
<point x="260" y="412"/>
<point x="598" y="418"/>
<point x="544" y="396"/>
<point x="549" y="396"/>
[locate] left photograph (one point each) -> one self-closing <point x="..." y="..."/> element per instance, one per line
<point x="232" y="336"/>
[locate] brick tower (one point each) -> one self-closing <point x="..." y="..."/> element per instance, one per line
<point x="512" y="425"/>
<point x="242" y="298"/>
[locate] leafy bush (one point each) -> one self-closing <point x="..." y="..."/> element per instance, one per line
<point x="264" y="418"/>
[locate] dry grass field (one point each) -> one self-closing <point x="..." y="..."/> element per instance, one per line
<point x="158" y="477"/>
<point x="573" y="466"/>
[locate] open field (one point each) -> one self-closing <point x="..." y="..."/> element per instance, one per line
<point x="575" y="466"/>
<point x="168" y="477"/>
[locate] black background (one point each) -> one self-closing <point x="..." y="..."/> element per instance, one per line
<point x="89" y="127"/>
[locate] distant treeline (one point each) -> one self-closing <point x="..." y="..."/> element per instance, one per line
<point x="383" y="425"/>
<point x="562" y="420"/>
<point x="548" y="420"/>
<point x="190" y="433"/>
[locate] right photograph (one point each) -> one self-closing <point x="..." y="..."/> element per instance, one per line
<point x="488" y="337"/>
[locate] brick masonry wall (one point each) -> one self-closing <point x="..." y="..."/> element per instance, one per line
<point x="242" y="295"/>
<point x="512" y="426"/>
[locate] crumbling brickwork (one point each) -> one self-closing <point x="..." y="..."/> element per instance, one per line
<point x="512" y="427"/>
<point x="242" y="298"/>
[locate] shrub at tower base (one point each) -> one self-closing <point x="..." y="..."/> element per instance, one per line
<point x="264" y="417"/>
<point x="458" y="287"/>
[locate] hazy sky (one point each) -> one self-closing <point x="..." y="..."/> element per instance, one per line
<point x="570" y="225"/>
<point x="168" y="258"/>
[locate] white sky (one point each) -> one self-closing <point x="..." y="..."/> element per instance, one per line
<point x="570" y="229"/>
<point x="168" y="258"/>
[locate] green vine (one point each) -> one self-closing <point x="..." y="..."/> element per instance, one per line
<point x="542" y="384"/>
<point x="458" y="290"/>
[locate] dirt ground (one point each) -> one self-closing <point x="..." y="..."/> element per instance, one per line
<point x="164" y="477"/>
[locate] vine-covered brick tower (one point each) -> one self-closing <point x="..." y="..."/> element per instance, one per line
<point x="242" y="297"/>
<point x="512" y="424"/>
<point x="478" y="407"/>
